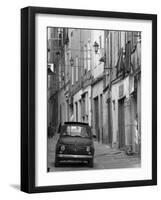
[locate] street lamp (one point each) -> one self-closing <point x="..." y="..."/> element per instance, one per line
<point x="96" y="46"/>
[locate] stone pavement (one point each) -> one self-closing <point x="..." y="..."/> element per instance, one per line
<point x="105" y="158"/>
<point x="110" y="158"/>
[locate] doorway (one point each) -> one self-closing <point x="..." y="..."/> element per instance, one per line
<point x="121" y="124"/>
<point x="109" y="122"/>
<point x="96" y="117"/>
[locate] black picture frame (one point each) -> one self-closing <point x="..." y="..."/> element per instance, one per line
<point x="28" y="98"/>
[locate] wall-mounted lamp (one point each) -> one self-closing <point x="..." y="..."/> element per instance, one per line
<point x="96" y="46"/>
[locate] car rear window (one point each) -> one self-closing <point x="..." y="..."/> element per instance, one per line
<point x="74" y="130"/>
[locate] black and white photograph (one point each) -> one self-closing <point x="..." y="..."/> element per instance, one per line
<point x="93" y="99"/>
<point x="89" y="104"/>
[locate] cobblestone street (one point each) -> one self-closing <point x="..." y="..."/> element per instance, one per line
<point x="105" y="158"/>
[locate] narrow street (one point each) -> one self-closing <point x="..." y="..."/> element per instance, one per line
<point x="105" y="158"/>
<point x="94" y="77"/>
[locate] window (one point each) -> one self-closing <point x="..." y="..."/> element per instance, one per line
<point x="80" y="110"/>
<point x="84" y="107"/>
<point x="110" y="49"/>
<point x="76" y="65"/>
<point x="88" y="56"/>
<point x="67" y="67"/>
<point x="116" y="47"/>
<point x="86" y="111"/>
<point x="76" y="131"/>
<point x="60" y="75"/>
<point x="51" y="68"/>
<point x="72" y="75"/>
<point x="60" y="39"/>
<point x="100" y="41"/>
<point x="123" y="39"/>
<point x="76" y="111"/>
<point x="113" y="104"/>
<point x="85" y="59"/>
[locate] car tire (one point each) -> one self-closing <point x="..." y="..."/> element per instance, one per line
<point x="90" y="163"/>
<point x="57" y="164"/>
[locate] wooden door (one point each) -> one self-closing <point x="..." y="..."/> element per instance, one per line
<point x="109" y="123"/>
<point x="121" y="124"/>
<point x="96" y="109"/>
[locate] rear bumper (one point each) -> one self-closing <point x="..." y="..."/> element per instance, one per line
<point x="74" y="157"/>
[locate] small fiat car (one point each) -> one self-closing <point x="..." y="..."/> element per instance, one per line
<point x="75" y="143"/>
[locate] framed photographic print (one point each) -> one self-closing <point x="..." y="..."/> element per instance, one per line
<point x="88" y="99"/>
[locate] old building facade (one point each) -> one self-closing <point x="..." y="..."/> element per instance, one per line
<point x="52" y="78"/>
<point x="123" y="89"/>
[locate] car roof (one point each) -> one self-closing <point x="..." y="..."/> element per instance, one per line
<point x="76" y="123"/>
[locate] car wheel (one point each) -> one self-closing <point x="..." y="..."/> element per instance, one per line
<point x="57" y="164"/>
<point x="90" y="163"/>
